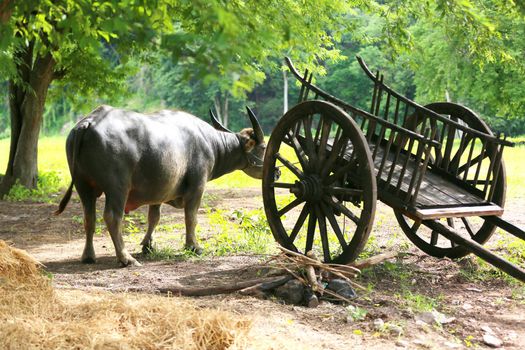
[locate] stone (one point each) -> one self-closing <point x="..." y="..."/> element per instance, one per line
<point x="379" y="324"/>
<point x="292" y="292"/>
<point x="487" y="329"/>
<point x="422" y="343"/>
<point x="451" y="345"/>
<point x="395" y="329"/>
<point x="341" y="287"/>
<point x="402" y="343"/>
<point x="432" y="317"/>
<point x="492" y="341"/>
<point x="310" y="298"/>
<point x="467" y="306"/>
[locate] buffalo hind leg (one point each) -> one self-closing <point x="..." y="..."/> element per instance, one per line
<point x="113" y="213"/>
<point x="191" y="208"/>
<point x="153" y="220"/>
<point x="88" y="198"/>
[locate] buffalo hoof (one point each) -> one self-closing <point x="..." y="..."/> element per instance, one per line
<point x="131" y="262"/>
<point x="88" y="260"/>
<point x="147" y="249"/>
<point x="195" y="250"/>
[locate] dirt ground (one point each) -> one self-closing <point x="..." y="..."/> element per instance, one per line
<point x="471" y="307"/>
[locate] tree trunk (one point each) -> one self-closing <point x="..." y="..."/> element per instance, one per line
<point x="26" y="111"/>
<point x="6" y="9"/>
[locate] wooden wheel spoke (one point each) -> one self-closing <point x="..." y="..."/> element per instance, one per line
<point x="289" y="206"/>
<point x="434" y="238"/>
<point x="456" y="160"/>
<point x="297" y="172"/>
<point x="336" y="150"/>
<point x="329" y="213"/>
<point x="344" y="170"/>
<point x="341" y="208"/>
<point x="416" y="226"/>
<point x="325" y="133"/>
<point x="299" y="223"/>
<point x="469" y="228"/>
<point x="323" y="232"/>
<point x="283" y="185"/>
<point x="299" y="152"/>
<point x="311" y="230"/>
<point x="310" y="146"/>
<point x="450" y="222"/>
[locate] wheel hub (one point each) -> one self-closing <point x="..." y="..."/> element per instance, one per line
<point x="309" y="188"/>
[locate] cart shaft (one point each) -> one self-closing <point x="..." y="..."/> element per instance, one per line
<point x="510" y="228"/>
<point x="476" y="248"/>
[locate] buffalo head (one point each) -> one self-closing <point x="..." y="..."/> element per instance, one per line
<point x="252" y="142"/>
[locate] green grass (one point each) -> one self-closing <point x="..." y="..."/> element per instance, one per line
<point x="51" y="156"/>
<point x="239" y="232"/>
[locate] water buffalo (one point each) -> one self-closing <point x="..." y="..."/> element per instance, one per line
<point x="149" y="159"/>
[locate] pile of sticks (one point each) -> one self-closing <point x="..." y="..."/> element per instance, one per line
<point x="314" y="274"/>
<point x="287" y="266"/>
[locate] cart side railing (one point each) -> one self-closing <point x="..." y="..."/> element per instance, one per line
<point x="394" y="148"/>
<point x="471" y="158"/>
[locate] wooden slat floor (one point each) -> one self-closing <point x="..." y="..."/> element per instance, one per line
<point x="437" y="196"/>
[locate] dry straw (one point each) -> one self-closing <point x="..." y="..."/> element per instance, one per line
<point x="35" y="316"/>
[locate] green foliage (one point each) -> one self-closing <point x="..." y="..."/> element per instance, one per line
<point x="371" y="248"/>
<point x="49" y="185"/>
<point x="356" y="313"/>
<point x="419" y="302"/>
<point x="170" y="253"/>
<point x="239" y="232"/>
<point x="184" y="54"/>
<point x="488" y="80"/>
<point x="90" y="41"/>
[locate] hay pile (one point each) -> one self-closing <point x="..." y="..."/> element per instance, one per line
<point x="33" y="315"/>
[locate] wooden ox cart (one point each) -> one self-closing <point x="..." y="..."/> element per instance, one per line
<point x="438" y="166"/>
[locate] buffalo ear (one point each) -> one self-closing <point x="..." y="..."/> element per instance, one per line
<point x="216" y="124"/>
<point x="259" y="134"/>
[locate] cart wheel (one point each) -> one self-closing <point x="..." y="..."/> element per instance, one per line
<point x="476" y="228"/>
<point x="319" y="187"/>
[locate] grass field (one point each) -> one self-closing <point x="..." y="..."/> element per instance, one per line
<point x="52" y="158"/>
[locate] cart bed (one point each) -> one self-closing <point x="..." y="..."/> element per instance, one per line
<point x="437" y="198"/>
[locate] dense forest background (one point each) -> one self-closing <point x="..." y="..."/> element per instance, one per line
<point x="432" y="69"/>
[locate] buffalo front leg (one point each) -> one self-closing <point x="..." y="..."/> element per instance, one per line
<point x="153" y="220"/>
<point x="190" y="217"/>
<point x="113" y="213"/>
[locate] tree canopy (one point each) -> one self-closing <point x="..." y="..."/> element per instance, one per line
<point x="181" y="53"/>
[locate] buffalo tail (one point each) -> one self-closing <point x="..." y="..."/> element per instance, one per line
<point x="77" y="140"/>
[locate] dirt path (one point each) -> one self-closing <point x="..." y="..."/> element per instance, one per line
<point x="470" y="306"/>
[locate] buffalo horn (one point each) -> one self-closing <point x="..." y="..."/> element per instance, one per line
<point x="216" y="124"/>
<point x="256" y="126"/>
